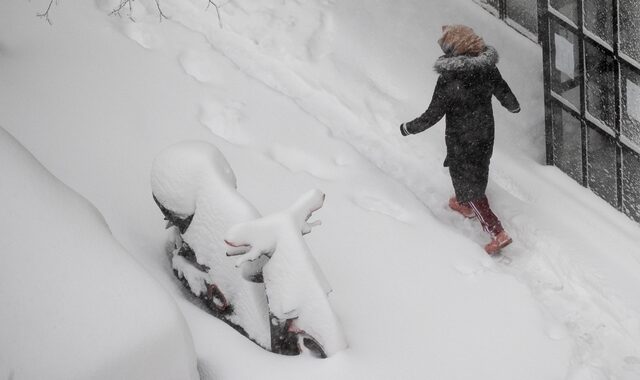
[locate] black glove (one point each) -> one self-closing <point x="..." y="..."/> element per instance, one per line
<point x="403" y="129"/>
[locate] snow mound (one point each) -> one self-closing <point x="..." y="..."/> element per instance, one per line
<point x="75" y="305"/>
<point x="182" y="170"/>
<point x="195" y="187"/>
<point x="296" y="287"/>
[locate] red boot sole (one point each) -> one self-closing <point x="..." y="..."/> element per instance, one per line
<point x="498" y="248"/>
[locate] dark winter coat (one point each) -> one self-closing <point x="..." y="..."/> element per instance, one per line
<point x="463" y="94"/>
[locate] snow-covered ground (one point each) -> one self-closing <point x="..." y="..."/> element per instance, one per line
<point x="75" y="305"/>
<point x="309" y="94"/>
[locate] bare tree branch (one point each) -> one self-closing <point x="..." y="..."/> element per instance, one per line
<point x="127" y="6"/>
<point x="123" y="4"/>
<point x="217" y="11"/>
<point x="161" y="15"/>
<point x="45" y="14"/>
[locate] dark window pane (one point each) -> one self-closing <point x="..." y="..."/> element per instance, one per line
<point x="631" y="184"/>
<point x="565" y="71"/>
<point x="602" y="165"/>
<point x="567" y="143"/>
<point x="569" y="8"/>
<point x="598" y="18"/>
<point x="495" y="4"/>
<point x="600" y="85"/>
<point x="630" y="28"/>
<point x="525" y="13"/>
<point x="630" y="127"/>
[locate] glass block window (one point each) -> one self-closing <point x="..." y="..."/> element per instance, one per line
<point x="631" y="184"/>
<point x="601" y="158"/>
<point x="600" y="85"/>
<point x="524" y="13"/>
<point x="567" y="143"/>
<point x="565" y="70"/>
<point x="568" y="8"/>
<point x="591" y="68"/>
<point x="495" y="4"/>
<point x="630" y="127"/>
<point x="598" y="15"/>
<point x="630" y="28"/>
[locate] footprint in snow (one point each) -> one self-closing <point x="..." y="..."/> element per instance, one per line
<point x="482" y="264"/>
<point x="321" y="41"/>
<point x="509" y="185"/>
<point x="556" y="330"/>
<point x="342" y="161"/>
<point x="632" y="364"/>
<point x="299" y="160"/>
<point x="382" y="206"/>
<point x="587" y="373"/>
<point x="224" y="120"/>
<point x="200" y="66"/>
<point x="468" y="268"/>
<point x="143" y="34"/>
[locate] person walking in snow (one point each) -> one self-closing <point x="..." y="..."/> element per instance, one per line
<point x="468" y="80"/>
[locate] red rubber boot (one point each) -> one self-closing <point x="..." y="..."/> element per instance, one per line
<point x="498" y="242"/>
<point x="461" y="208"/>
<point x="491" y="224"/>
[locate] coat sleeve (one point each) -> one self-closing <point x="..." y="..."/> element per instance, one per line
<point x="503" y="93"/>
<point x="437" y="109"/>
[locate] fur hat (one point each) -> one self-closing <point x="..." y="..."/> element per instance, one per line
<point x="460" y="40"/>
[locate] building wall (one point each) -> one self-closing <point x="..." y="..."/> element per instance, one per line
<point x="591" y="51"/>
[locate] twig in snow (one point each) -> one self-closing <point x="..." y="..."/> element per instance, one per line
<point x="123" y="3"/>
<point x="45" y="14"/>
<point x="128" y="4"/>
<point x="210" y="3"/>
<point x="160" y="13"/>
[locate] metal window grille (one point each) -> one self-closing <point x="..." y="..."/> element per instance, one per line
<point x="592" y="95"/>
<point x="591" y="58"/>
<point x="522" y="15"/>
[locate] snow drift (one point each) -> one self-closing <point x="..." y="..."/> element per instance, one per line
<point x="566" y="307"/>
<point x="75" y="305"/>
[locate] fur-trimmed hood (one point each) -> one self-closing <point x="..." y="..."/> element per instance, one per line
<point x="465" y="63"/>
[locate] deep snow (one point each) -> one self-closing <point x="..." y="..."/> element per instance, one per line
<point x="310" y="94"/>
<point x="296" y="288"/>
<point x="75" y="305"/>
<point x="193" y="178"/>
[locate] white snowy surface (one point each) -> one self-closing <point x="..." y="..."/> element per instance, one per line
<point x="310" y="94"/>
<point x="183" y="173"/>
<point x="295" y="285"/>
<point x="194" y="178"/>
<point x="75" y="304"/>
